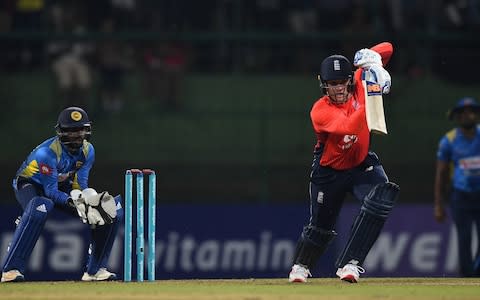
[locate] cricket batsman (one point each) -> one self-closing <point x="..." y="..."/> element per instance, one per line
<point x="344" y="163"/>
<point x="55" y="176"/>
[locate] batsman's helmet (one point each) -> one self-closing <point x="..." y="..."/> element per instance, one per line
<point x="463" y="103"/>
<point x="73" y="126"/>
<point x="335" y="67"/>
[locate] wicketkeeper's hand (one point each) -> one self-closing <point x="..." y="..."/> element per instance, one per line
<point x="101" y="209"/>
<point x="79" y="204"/>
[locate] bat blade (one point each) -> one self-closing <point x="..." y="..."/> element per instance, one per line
<point x="374" y="111"/>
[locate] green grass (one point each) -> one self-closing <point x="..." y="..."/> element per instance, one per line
<point x="250" y="289"/>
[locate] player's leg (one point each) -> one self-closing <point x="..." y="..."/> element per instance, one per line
<point x="476" y="261"/>
<point x="463" y="224"/>
<point x="370" y="184"/>
<point x="100" y="248"/>
<point x="25" y="237"/>
<point x="327" y="193"/>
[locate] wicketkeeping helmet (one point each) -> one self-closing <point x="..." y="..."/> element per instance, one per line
<point x="73" y="126"/>
<point x="463" y="103"/>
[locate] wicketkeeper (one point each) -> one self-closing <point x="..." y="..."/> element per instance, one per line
<point x="55" y="176"/>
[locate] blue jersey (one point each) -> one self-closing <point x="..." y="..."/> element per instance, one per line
<point x="464" y="156"/>
<point x="51" y="166"/>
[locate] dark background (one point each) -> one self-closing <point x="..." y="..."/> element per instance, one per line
<point x="215" y="95"/>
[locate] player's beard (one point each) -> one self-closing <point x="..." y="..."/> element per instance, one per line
<point x="468" y="125"/>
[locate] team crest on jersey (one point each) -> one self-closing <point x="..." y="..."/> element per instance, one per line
<point x="355" y="104"/>
<point x="78" y="164"/>
<point x="76" y="116"/>
<point x="373" y="89"/>
<point x="348" y="141"/>
<point x="45" y="169"/>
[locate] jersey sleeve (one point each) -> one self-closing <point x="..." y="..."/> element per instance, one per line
<point x="325" y="119"/>
<point x="48" y="176"/>
<point x="81" y="178"/>
<point x="444" y="152"/>
<point x="385" y="50"/>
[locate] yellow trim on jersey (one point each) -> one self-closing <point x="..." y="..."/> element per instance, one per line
<point x="451" y="134"/>
<point x="57" y="149"/>
<point x="86" y="148"/>
<point x="30" y="5"/>
<point x="30" y="170"/>
<point x="75" y="184"/>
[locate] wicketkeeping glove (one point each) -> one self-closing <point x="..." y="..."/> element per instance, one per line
<point x="79" y="204"/>
<point x="101" y="209"/>
<point x="93" y="208"/>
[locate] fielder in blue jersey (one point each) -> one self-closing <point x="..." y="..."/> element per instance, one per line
<point x="55" y="176"/>
<point x="458" y="167"/>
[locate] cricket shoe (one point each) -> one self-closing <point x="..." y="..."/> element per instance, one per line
<point x="299" y="273"/>
<point x="101" y="275"/>
<point x="12" y="276"/>
<point x="350" y="273"/>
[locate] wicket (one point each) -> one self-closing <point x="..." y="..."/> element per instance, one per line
<point x="140" y="241"/>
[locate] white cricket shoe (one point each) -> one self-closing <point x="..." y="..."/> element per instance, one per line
<point x="12" y="276"/>
<point x="350" y="273"/>
<point x="101" y="275"/>
<point x="299" y="273"/>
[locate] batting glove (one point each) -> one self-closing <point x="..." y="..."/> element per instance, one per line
<point x="366" y="58"/>
<point x="382" y="77"/>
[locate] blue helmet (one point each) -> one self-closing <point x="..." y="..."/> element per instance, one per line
<point x="463" y="103"/>
<point x="335" y="67"/>
<point x="73" y="127"/>
<point x="73" y="117"/>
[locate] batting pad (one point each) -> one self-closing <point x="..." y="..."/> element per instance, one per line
<point x="374" y="107"/>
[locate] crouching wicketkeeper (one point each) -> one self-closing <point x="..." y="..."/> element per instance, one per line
<point x="55" y="176"/>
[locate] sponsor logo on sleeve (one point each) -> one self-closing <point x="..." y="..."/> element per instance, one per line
<point x="45" y="169"/>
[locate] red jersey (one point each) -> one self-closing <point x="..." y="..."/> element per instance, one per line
<point x="342" y="128"/>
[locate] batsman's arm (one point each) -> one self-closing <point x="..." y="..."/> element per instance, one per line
<point x="385" y="50"/>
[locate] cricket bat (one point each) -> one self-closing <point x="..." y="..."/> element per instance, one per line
<point x="374" y="107"/>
